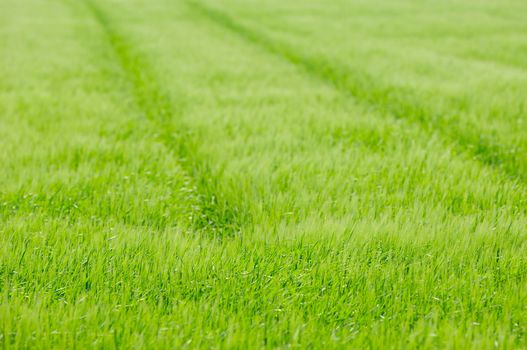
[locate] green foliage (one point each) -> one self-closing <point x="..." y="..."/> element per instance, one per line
<point x="274" y="174"/>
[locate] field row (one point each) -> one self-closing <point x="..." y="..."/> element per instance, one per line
<point x="247" y="174"/>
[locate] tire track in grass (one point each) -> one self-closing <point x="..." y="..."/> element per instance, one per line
<point x="400" y="103"/>
<point x="216" y="214"/>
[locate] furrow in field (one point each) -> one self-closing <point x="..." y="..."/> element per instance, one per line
<point x="400" y="103"/>
<point x="70" y="153"/>
<point x="215" y="213"/>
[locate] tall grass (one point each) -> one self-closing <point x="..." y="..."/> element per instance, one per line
<point x="241" y="175"/>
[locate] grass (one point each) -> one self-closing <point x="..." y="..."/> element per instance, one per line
<point x="262" y="175"/>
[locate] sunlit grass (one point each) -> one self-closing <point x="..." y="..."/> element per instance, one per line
<point x="246" y="175"/>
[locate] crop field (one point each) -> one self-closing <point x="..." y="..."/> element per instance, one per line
<point x="263" y="174"/>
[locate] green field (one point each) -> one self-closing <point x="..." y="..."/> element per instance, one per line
<point x="263" y="174"/>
